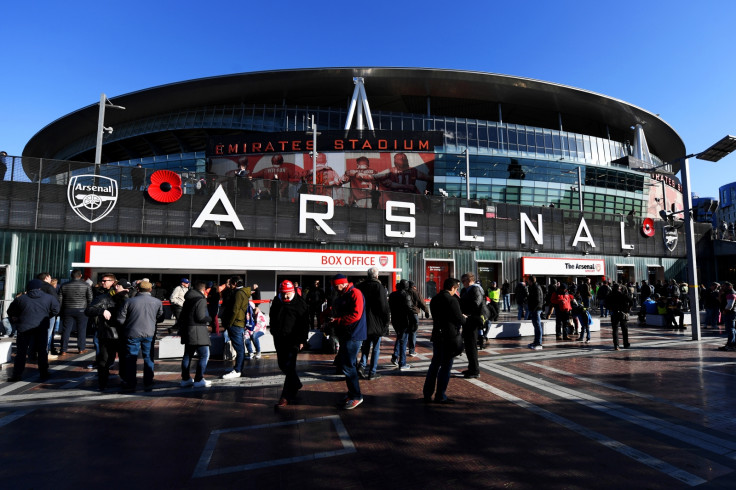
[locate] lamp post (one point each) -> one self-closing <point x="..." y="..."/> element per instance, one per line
<point x="467" y="173"/>
<point x="104" y="103"/>
<point x="720" y="149"/>
<point x="313" y="131"/>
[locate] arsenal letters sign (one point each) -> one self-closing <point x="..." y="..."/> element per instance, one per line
<point x="327" y="141"/>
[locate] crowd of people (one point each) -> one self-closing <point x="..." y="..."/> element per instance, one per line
<point x="353" y="318"/>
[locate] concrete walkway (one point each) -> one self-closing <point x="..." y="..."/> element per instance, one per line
<point x="574" y="415"/>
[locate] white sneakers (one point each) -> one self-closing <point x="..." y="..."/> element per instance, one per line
<point x="232" y="374"/>
<point x="202" y="383"/>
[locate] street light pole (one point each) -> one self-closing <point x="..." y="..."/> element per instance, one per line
<point x="717" y="151"/>
<point x="580" y="188"/>
<point x="467" y="174"/>
<point x="104" y="102"/>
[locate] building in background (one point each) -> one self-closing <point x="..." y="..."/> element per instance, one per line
<point x="462" y="171"/>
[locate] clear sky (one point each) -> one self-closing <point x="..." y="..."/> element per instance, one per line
<point x="674" y="58"/>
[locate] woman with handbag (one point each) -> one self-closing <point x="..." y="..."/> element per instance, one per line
<point x="447" y="340"/>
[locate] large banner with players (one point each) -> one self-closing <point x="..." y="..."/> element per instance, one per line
<point x="351" y="178"/>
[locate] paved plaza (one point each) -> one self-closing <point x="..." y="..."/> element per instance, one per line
<point x="574" y="415"/>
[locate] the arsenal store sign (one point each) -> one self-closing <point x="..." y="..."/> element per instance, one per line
<point x="299" y="141"/>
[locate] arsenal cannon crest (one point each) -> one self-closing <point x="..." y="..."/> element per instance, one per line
<point x="92" y="197"/>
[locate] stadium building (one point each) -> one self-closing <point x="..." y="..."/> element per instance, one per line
<point x="423" y="173"/>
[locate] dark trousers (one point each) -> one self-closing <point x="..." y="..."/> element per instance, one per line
<point x="438" y="374"/>
<point x="618" y="319"/>
<point x="71" y="317"/>
<point x="176" y="310"/>
<point x="470" y="338"/>
<point x="561" y="319"/>
<point x="38" y="336"/>
<point x="286" y="354"/>
<point x="109" y="348"/>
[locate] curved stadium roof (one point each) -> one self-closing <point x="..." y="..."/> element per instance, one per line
<point x="452" y="93"/>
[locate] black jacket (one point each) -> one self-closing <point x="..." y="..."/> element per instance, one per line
<point x="376" y="307"/>
<point x="535" y="299"/>
<point x="32" y="310"/>
<point x="75" y="294"/>
<point x="400" y="304"/>
<point x="289" y="322"/>
<point x="447" y="319"/>
<point x="106" y="329"/>
<point x="194" y="319"/>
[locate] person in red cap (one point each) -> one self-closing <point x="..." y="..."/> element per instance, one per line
<point x="349" y="324"/>
<point x="289" y="326"/>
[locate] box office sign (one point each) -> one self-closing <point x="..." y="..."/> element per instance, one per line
<point x="546" y="266"/>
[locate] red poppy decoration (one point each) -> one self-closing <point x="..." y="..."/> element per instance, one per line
<point x="165" y="186"/>
<point x="647" y="227"/>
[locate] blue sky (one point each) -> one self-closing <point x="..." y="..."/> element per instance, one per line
<point x="671" y="58"/>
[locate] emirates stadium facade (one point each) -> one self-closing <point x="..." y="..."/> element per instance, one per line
<point x="423" y="173"/>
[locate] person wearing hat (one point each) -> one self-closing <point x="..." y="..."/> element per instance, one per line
<point x="29" y="314"/>
<point x="103" y="312"/>
<point x="139" y="316"/>
<point x="349" y="324"/>
<point x="177" y="297"/>
<point x="289" y="325"/>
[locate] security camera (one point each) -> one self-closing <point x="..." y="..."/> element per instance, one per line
<point x="108" y="130"/>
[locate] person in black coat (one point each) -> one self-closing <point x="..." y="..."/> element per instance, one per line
<point x="402" y="317"/>
<point x="29" y="314"/>
<point x="619" y="305"/>
<point x="195" y="336"/>
<point x="289" y="325"/>
<point x="472" y="304"/>
<point x="103" y="313"/>
<point x="377" y="318"/>
<point x="447" y="319"/>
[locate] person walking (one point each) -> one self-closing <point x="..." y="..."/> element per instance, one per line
<point x="195" y="336"/>
<point x="289" y="325"/>
<point x="400" y="304"/>
<point x="535" y="302"/>
<point x="349" y="324"/>
<point x="417" y="305"/>
<point x="234" y="319"/>
<point x="619" y="305"/>
<point x="447" y="320"/>
<point x="377" y="318"/>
